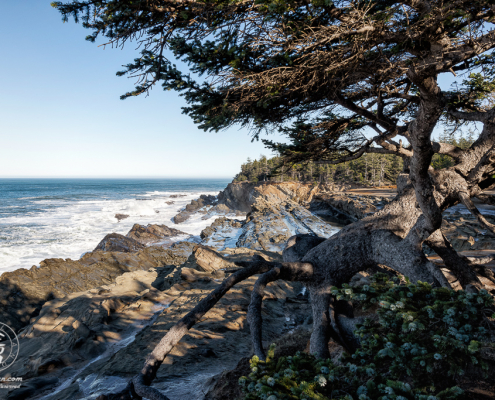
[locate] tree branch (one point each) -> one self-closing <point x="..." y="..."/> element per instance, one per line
<point x="473" y="116"/>
<point x="383" y="122"/>
<point x="448" y="149"/>
<point x="487" y="199"/>
<point x="295" y="271"/>
<point x="141" y="383"/>
<point x="453" y="260"/>
<point x="466" y="200"/>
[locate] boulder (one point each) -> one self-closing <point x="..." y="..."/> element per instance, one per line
<point x="181" y="217"/>
<point x="206" y="259"/>
<point x="121" y="217"/>
<point x="152" y="233"/>
<point x="118" y="242"/>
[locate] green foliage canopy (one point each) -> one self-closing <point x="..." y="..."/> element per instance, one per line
<point x="336" y="68"/>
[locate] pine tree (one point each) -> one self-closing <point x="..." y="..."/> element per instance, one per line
<point x="337" y="79"/>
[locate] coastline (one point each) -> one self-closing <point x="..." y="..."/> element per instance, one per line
<point x="83" y="323"/>
<point x="55" y="218"/>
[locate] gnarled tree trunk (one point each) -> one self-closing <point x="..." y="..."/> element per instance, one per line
<point x="392" y="236"/>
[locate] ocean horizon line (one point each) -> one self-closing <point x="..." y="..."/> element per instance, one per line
<point x="118" y="177"/>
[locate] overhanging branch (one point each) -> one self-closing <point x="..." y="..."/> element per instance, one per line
<point x="466" y="200"/>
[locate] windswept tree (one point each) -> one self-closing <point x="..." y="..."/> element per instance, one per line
<point x="337" y="70"/>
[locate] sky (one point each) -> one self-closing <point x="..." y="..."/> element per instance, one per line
<point x="61" y="115"/>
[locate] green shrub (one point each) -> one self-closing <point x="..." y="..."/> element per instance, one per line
<point x="423" y="340"/>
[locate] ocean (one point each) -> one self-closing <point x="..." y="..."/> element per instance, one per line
<point x="64" y="218"/>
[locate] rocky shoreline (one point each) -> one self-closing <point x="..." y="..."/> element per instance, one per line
<point x="85" y="326"/>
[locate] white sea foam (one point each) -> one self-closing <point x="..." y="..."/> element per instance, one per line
<point x="70" y="229"/>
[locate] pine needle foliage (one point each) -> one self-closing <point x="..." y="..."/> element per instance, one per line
<point x="369" y="170"/>
<point x="324" y="73"/>
<point x="422" y="341"/>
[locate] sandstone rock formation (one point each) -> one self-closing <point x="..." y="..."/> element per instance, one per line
<point x="270" y="225"/>
<point x="276" y="212"/>
<point x="23" y="292"/>
<point x="195" y="205"/>
<point x="239" y="198"/>
<point x="342" y="208"/>
<point x="243" y="195"/>
<point x="118" y="242"/>
<point x="88" y="343"/>
<point x="152" y="233"/>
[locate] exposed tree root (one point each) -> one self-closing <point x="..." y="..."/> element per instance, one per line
<point x="384" y="238"/>
<point x="456" y="263"/>
<point x="320" y="303"/>
<point x="287" y="271"/>
<point x="140" y="385"/>
<point x="466" y="200"/>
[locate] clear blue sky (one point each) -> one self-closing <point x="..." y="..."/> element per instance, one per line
<point x="61" y="116"/>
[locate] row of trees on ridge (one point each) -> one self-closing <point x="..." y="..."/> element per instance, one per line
<point x="368" y="170"/>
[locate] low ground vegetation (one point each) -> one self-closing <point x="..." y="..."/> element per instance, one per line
<point x="422" y="343"/>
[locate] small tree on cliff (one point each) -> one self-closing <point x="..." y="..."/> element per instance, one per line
<point x="338" y="69"/>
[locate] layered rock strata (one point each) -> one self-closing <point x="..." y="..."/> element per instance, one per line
<point x="152" y="233"/>
<point x="23" y="292"/>
<point x="195" y="206"/>
<point x="120" y="243"/>
<point x="91" y="342"/>
<point x="275" y="213"/>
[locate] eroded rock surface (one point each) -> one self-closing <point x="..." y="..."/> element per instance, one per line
<point x="222" y="233"/>
<point x="466" y="234"/>
<point x="276" y="211"/>
<point x="270" y="225"/>
<point x="118" y="242"/>
<point x="239" y="197"/>
<point x="243" y="195"/>
<point x="92" y="342"/>
<point x="342" y="208"/>
<point x="23" y="292"/>
<point x="195" y="206"/>
<point x="152" y="233"/>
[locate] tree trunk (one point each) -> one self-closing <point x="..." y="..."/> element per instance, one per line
<point x="392" y="237"/>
